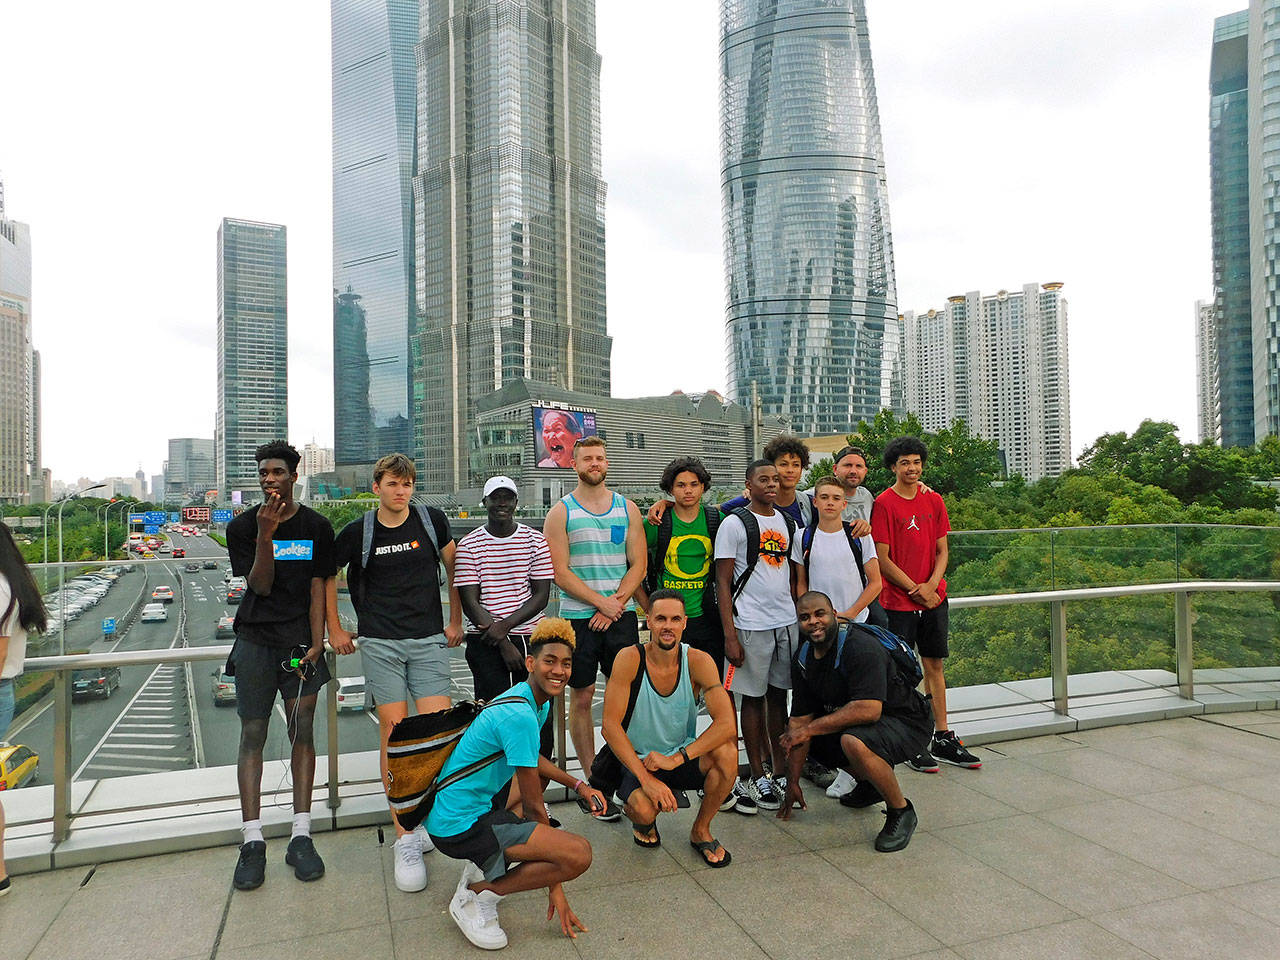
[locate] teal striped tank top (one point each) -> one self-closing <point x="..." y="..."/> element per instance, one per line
<point x="597" y="551"/>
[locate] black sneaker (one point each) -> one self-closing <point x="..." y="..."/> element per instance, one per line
<point x="302" y="856"/>
<point x="744" y="799"/>
<point x="251" y="868"/>
<point x="817" y="774"/>
<point x="729" y="803"/>
<point x="923" y="762"/>
<point x="864" y="794"/>
<point x="949" y="748"/>
<point x="612" y="812"/>
<point x="899" y="825"/>
<point x="766" y="793"/>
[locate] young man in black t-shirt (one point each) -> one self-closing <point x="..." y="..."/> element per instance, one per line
<point x="403" y="636"/>
<point x="851" y="707"/>
<point x="285" y="552"/>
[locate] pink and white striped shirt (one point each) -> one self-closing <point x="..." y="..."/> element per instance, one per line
<point x="504" y="568"/>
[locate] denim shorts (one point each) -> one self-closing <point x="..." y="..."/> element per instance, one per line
<point x="6" y="705"/>
<point x="405" y="671"/>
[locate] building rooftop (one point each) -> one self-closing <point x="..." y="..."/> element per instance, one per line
<point x="1134" y="841"/>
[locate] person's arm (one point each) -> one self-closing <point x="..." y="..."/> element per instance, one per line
<point x="557" y="535"/>
<point x="724" y="600"/>
<point x="891" y="571"/>
<point x="316" y="614"/>
<point x="799" y="576"/>
<point x="339" y="638"/>
<point x="637" y="555"/>
<point x="797" y="753"/>
<point x="530" y="785"/>
<point x="724" y="723"/>
<point x="452" y="629"/>
<point x="262" y="575"/>
<point x="872" y="590"/>
<point x="654" y="514"/>
<point x="927" y="593"/>
<point x="549" y="771"/>
<point x="617" y="693"/>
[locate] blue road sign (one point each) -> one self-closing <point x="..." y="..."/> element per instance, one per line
<point x="137" y="518"/>
<point x="155" y="516"/>
<point x="222" y="516"/>
<point x="173" y="518"/>
<point x="151" y="528"/>
<point x="109" y="625"/>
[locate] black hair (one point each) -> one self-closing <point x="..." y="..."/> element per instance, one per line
<point x="23" y="592"/>
<point x="901" y="447"/>
<point x="786" y="443"/>
<point x="815" y="593"/>
<point x="847" y="452"/>
<point x="683" y="465"/>
<point x="755" y="465"/>
<point x="666" y="593"/>
<point x="278" y="450"/>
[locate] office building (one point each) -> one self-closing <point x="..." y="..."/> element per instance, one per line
<point x="1208" y="396"/>
<point x="509" y="215"/>
<point x="1000" y="363"/>
<point x="812" y="317"/>
<point x="253" y="398"/>
<point x="20" y="469"/>
<point x="643" y="435"/>
<point x="189" y="472"/>
<point x="374" y="139"/>
<point x="316" y="459"/>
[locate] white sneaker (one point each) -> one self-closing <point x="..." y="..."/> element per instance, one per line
<point x="470" y="874"/>
<point x="476" y="915"/>
<point x="841" y="785"/>
<point x="411" y="872"/>
<point x="424" y="839"/>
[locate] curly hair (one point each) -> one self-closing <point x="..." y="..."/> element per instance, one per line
<point x="684" y="465"/>
<point x="786" y="443"/>
<point x="904" y="447"/>
<point x="552" y="630"/>
<point x="278" y="450"/>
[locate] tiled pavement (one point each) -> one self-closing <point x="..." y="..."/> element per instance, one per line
<point x="1147" y="840"/>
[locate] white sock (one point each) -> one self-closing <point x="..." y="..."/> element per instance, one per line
<point x="302" y="824"/>
<point x="252" y="830"/>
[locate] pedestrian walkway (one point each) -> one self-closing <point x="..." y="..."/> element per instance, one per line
<point x="1139" y="841"/>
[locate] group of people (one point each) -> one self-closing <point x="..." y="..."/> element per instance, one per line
<point x="777" y="595"/>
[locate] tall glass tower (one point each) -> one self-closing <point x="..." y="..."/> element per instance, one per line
<point x="374" y="140"/>
<point x="509" y="207"/>
<point x="812" y="317"/>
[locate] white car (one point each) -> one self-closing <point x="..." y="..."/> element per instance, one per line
<point x="350" y="693"/>
<point x="153" y="612"/>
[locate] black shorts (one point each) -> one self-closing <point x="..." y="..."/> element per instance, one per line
<point x="595" y="650"/>
<point x="705" y="633"/>
<point x="493" y="679"/>
<point x="926" y="630"/>
<point x="687" y="776"/>
<point x="894" y="739"/>
<point x="486" y="842"/>
<point x="260" y="676"/>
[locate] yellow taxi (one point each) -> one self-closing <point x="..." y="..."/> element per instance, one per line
<point x="18" y="766"/>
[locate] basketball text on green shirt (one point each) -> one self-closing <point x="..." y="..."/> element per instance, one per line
<point x="687" y="565"/>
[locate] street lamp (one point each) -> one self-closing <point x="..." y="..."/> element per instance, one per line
<point x="106" y="525"/>
<point x="62" y="571"/>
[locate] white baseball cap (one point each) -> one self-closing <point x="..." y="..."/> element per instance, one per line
<point x="500" y="483"/>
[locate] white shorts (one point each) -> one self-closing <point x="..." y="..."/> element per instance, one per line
<point x="767" y="656"/>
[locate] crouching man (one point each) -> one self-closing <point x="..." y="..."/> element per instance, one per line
<point x="650" y="724"/>
<point x="479" y="818"/>
<point x="854" y="708"/>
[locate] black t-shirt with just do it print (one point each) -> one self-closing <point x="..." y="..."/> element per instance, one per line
<point x="302" y="548"/>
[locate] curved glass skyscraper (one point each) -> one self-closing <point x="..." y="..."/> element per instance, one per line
<point x="812" y="317"/>
<point x="375" y="84"/>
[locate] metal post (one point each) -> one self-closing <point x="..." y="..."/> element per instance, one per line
<point x="1053" y="573"/>
<point x="1177" y="554"/>
<point x="61" y="755"/>
<point x="1058" y="654"/>
<point x="1182" y="644"/>
<point x="562" y="740"/>
<point x="331" y="699"/>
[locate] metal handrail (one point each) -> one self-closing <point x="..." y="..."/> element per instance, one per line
<point x="62" y="666"/>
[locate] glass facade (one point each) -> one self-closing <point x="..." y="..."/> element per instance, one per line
<point x="1264" y="211"/>
<point x="253" y="351"/>
<point x="509" y="210"/>
<point x="374" y="145"/>
<point x="20" y="472"/>
<point x="812" y="318"/>
<point x="1229" y="205"/>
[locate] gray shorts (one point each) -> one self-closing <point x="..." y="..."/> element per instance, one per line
<point x="404" y="671"/>
<point x="485" y="844"/>
<point x="766" y="660"/>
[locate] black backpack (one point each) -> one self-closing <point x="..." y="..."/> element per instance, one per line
<point x="875" y="612"/>
<point x="658" y="554"/>
<point x="900" y="652"/>
<point x="752" y="526"/>
<point x="607" y="770"/>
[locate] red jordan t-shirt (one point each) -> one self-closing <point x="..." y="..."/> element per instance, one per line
<point x="911" y="528"/>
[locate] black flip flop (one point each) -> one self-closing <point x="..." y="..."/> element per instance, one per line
<point x="647" y="828"/>
<point x="705" y="847"/>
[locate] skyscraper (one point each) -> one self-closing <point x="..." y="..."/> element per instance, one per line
<point x="1208" y="394"/>
<point x="374" y="146"/>
<point x="190" y="472"/>
<point x="19" y="387"/>
<point x="1000" y="363"/>
<point x="509" y="214"/>
<point x="812" y="316"/>
<point x="253" y="351"/>
<point x="1264" y="211"/>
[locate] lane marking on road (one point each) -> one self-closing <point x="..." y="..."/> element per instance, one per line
<point x="157" y="736"/>
<point x="134" y="769"/>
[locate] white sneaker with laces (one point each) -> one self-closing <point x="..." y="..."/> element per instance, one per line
<point x="476" y="915"/>
<point x="841" y="785"/>
<point x="470" y="874"/>
<point x="765" y="793"/>
<point x="410" y="871"/>
<point x="424" y="839"/>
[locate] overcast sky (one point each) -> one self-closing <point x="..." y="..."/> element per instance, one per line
<point x="1024" y="142"/>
